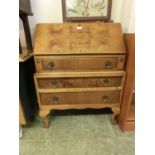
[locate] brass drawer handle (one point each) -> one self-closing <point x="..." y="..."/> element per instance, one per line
<point x="54" y="83"/>
<point x="50" y="65"/>
<point x="105" y="82"/>
<point x="105" y="98"/>
<point x="108" y="65"/>
<point x="55" y="100"/>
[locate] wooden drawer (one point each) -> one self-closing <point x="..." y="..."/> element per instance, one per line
<point x="44" y="83"/>
<point x="65" y="98"/>
<point x="79" y="79"/>
<point x="56" y="63"/>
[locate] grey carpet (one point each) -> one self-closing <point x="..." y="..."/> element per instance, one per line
<point x="77" y="135"/>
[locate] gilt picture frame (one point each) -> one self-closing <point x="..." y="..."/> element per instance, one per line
<point x="83" y="10"/>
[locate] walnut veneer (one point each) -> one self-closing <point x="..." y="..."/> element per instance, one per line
<point x="79" y="66"/>
<point x="126" y="118"/>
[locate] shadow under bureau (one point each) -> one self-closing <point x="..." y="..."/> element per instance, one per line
<point x="79" y="66"/>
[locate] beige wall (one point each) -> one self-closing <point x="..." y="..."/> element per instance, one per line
<point x="46" y="11"/>
<point x="123" y="12"/>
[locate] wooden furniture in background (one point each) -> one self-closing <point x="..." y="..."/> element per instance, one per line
<point x="126" y="118"/>
<point x="28" y="101"/>
<point x="27" y="91"/>
<point x="79" y="67"/>
<point x="22" y="119"/>
<point x="25" y="11"/>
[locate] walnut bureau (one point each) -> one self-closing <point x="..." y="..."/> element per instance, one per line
<point x="79" y="66"/>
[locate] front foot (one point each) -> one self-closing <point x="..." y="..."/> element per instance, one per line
<point x="116" y="112"/>
<point x="45" y="122"/>
<point x="44" y="116"/>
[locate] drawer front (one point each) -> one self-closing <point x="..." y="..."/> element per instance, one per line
<point x="47" y="83"/>
<point x="57" y="63"/>
<point x="104" y="97"/>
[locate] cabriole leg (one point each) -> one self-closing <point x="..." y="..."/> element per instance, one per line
<point x="44" y="115"/>
<point x="116" y="112"/>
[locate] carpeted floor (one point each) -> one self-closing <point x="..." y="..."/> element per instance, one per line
<point x="77" y="135"/>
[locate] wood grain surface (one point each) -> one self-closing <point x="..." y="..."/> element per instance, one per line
<point x="67" y="39"/>
<point x="80" y="98"/>
<point x="73" y="66"/>
<point x="76" y="62"/>
<point x="79" y="82"/>
<point x="126" y="107"/>
<point x="79" y="79"/>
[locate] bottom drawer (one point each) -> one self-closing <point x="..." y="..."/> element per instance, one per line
<point x="101" y="97"/>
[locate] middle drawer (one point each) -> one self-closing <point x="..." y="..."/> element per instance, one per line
<point x="79" y="80"/>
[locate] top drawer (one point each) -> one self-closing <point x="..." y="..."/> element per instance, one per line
<point x="59" y="63"/>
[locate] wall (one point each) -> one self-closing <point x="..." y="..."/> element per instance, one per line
<point x="46" y="11"/>
<point x="123" y="12"/>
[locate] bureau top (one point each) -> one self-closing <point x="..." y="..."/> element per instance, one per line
<point x="75" y="38"/>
